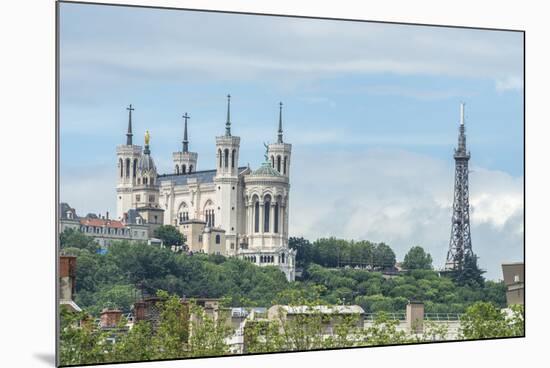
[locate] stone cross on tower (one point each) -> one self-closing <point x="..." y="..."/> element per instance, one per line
<point x="129" y="134"/>
<point x="228" y="122"/>
<point x="185" y="140"/>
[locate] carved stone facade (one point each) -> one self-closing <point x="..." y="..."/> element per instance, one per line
<point x="229" y="210"/>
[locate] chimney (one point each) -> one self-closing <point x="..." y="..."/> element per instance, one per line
<point x="110" y="318"/>
<point x="107" y="215"/>
<point x="415" y="316"/>
<point x="67" y="277"/>
<point x="139" y="311"/>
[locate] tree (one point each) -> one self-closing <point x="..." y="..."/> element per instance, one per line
<point x="417" y="258"/>
<point x="71" y="238"/>
<point x="80" y="341"/>
<point x="384" y="257"/>
<point x="469" y="273"/>
<point x="169" y="235"/>
<point x="483" y="320"/>
<point x="173" y="329"/>
<point x="208" y="335"/>
<point x="304" y="250"/>
<point x="135" y="345"/>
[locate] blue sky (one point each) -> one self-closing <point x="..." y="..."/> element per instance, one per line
<point x="371" y="110"/>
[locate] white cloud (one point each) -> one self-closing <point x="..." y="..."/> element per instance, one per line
<point x="509" y="83"/>
<point x="403" y="199"/>
<point x="283" y="50"/>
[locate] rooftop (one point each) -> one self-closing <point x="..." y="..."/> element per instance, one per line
<point x="204" y="176"/>
<point x="324" y="309"/>
<point x="102" y="223"/>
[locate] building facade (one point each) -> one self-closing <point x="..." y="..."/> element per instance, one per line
<point x="229" y="210"/>
<point x="103" y="229"/>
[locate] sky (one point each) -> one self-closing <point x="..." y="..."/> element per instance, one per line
<point x="371" y="109"/>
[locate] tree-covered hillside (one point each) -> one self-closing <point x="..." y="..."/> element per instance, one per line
<point x="117" y="278"/>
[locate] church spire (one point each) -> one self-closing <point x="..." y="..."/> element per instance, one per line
<point x="280" y="132"/>
<point x="228" y="122"/>
<point x="185" y="140"/>
<point x="129" y="133"/>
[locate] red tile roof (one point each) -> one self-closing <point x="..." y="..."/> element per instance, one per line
<point x="100" y="223"/>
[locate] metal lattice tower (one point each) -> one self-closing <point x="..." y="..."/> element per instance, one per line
<point x="460" y="244"/>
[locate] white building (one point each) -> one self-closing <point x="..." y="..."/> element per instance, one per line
<point x="229" y="210"/>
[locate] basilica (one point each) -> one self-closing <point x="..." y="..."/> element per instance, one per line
<point x="229" y="210"/>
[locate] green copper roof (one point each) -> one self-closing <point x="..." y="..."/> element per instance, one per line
<point x="266" y="170"/>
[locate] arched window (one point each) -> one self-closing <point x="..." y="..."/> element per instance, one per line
<point x="283" y="258"/>
<point x="134" y="168"/>
<point x="220" y="156"/>
<point x="121" y="165"/>
<point x="226" y="158"/>
<point x="272" y="162"/>
<point x="279" y="163"/>
<point x="183" y="169"/>
<point x="127" y="167"/>
<point x="256" y="217"/>
<point x="284" y="167"/>
<point x="177" y="170"/>
<point x="218" y="239"/>
<point x="190" y="169"/>
<point x="276" y="218"/>
<point x="267" y="205"/>
<point x="208" y="211"/>
<point x="233" y="159"/>
<point x="139" y="181"/>
<point x="145" y="181"/>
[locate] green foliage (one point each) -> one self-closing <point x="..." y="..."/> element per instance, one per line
<point x="183" y="331"/>
<point x="304" y="250"/>
<point x="71" y="238"/>
<point x="417" y="258"/>
<point x="135" y="345"/>
<point x="384" y="257"/>
<point x="333" y="252"/>
<point x="468" y="272"/>
<point x="80" y="341"/>
<point x="483" y="320"/>
<point x="169" y="235"/>
<point x="209" y="335"/>
<point x="173" y="330"/>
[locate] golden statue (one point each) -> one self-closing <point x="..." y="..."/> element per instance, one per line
<point x="147" y="137"/>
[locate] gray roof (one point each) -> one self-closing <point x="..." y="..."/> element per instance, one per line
<point x="205" y="176"/>
<point x="322" y="309"/>
<point x="133" y="215"/>
<point x="146" y="163"/>
<point x="266" y="170"/>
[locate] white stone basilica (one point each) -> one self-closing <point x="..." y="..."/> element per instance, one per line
<point x="229" y="210"/>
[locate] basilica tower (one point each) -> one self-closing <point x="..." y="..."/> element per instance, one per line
<point x="146" y="189"/>
<point x="279" y="152"/>
<point x="127" y="157"/>
<point x="227" y="181"/>
<point x="185" y="162"/>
